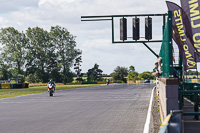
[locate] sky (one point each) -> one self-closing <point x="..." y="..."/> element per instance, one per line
<point x="93" y="38"/>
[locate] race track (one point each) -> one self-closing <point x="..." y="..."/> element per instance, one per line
<point x="119" y="108"/>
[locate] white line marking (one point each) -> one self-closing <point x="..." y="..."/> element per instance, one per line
<point x="147" y="123"/>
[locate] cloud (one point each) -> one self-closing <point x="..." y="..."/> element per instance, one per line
<point x="93" y="38"/>
<point x="15" y="5"/>
<point x="109" y="55"/>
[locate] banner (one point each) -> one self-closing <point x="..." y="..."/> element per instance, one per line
<point x="186" y="50"/>
<point x="189" y="62"/>
<point x="173" y="54"/>
<point x="192" y="10"/>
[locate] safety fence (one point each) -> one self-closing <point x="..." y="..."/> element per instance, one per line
<point x="166" y="49"/>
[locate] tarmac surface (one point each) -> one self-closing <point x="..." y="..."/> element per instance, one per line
<point x="103" y="109"/>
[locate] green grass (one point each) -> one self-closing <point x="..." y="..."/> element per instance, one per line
<point x="5" y="93"/>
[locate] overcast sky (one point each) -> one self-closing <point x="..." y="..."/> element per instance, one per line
<point x="93" y="38"/>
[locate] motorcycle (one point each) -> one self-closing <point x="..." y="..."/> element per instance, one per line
<point x="51" y="89"/>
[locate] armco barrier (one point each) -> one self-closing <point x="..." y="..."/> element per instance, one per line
<point x="89" y="82"/>
<point x="13" y="86"/>
<point x="104" y="82"/>
<point x="73" y="83"/>
<point x="5" y="85"/>
<point x="38" y="84"/>
<point x="19" y="86"/>
<point x="26" y="85"/>
<point x="100" y="82"/>
<point x="173" y="123"/>
<point x="42" y="84"/>
<point x="118" y="82"/>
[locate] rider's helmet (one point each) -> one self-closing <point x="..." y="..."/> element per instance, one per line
<point x="51" y="81"/>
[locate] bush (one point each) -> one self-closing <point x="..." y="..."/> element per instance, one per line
<point x="146" y="75"/>
<point x="194" y="77"/>
<point x="33" y="78"/>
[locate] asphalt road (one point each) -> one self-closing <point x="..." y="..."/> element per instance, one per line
<point x="103" y="109"/>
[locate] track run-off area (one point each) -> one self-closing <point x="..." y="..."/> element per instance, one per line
<point x="117" y="108"/>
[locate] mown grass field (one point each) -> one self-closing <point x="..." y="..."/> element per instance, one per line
<point x="5" y="93"/>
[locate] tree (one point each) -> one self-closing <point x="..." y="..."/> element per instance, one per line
<point x="146" y="75"/>
<point x="65" y="44"/>
<point x="131" y="69"/>
<point x="38" y="47"/>
<point x="77" y="69"/>
<point x="4" y="71"/>
<point x="33" y="78"/>
<point x="39" y="53"/>
<point x="190" y="72"/>
<point x="13" y="51"/>
<point x="120" y="73"/>
<point x="132" y="75"/>
<point x="94" y="74"/>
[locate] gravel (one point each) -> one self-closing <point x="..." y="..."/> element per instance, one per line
<point x="155" y="115"/>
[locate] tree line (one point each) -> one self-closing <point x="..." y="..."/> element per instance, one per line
<point x="119" y="74"/>
<point x="190" y="72"/>
<point x="37" y="54"/>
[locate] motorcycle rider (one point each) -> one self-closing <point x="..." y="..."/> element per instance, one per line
<point x="107" y="81"/>
<point x="52" y="82"/>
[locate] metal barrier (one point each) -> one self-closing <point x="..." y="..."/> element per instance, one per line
<point x="192" y="92"/>
<point x="173" y="123"/>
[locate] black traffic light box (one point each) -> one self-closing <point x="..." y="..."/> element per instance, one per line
<point x="123" y="29"/>
<point x="136" y="28"/>
<point x="148" y="28"/>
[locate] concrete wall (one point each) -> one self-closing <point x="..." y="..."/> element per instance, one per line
<point x="168" y="95"/>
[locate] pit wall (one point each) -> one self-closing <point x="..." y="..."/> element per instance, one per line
<point x="168" y="95"/>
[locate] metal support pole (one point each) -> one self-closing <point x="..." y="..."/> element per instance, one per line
<point x="112" y="30"/>
<point x="181" y="72"/>
<point x="180" y="100"/>
<point x="196" y="106"/>
<point x="150" y="49"/>
<point x="163" y="23"/>
<point x="169" y="48"/>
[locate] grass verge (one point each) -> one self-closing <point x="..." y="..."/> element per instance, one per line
<point x="5" y="93"/>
